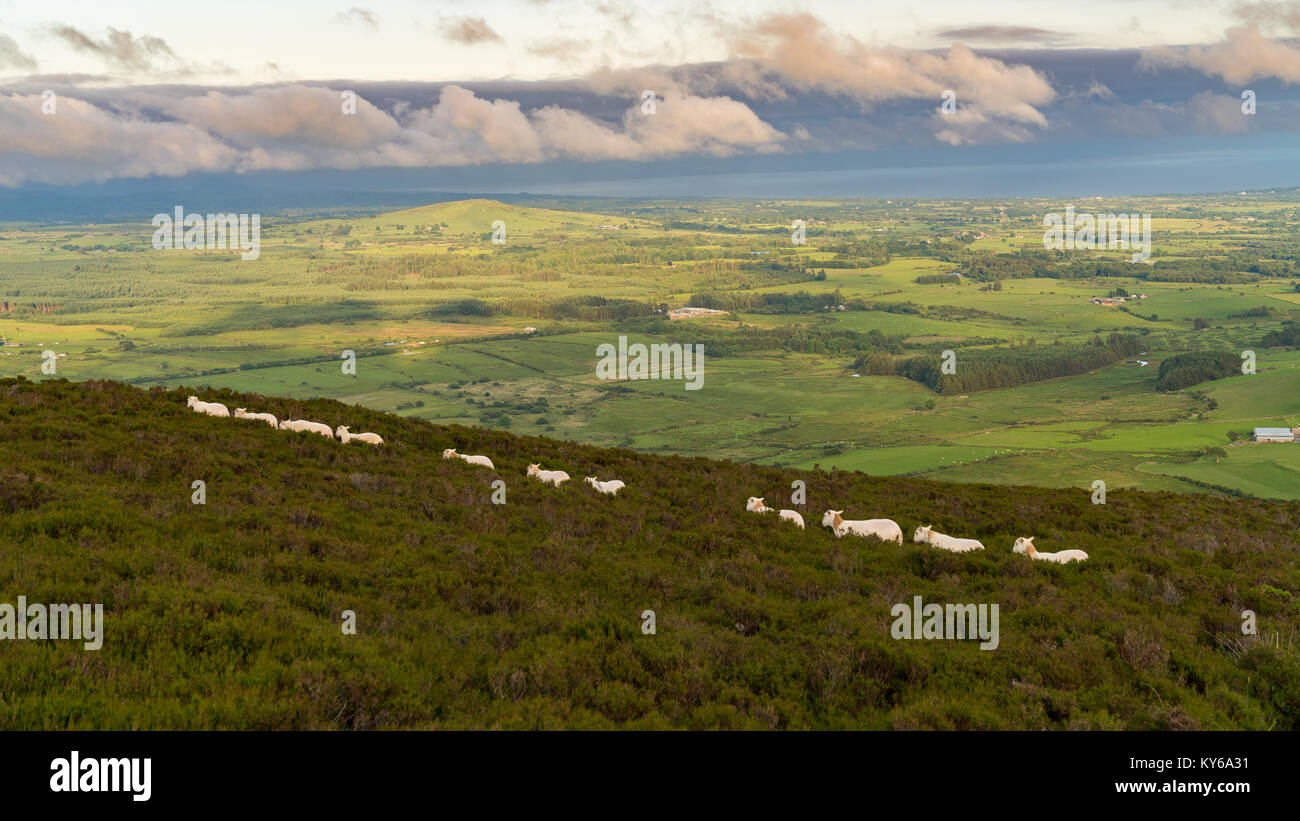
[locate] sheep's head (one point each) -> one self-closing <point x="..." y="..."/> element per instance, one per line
<point x="240" y="411"/>
<point x="1022" y="543"/>
<point x="192" y="401"/>
<point x="591" y="479"/>
<point x="449" y="453"/>
<point x="922" y="534"/>
<point x="342" y="429"/>
<point x="536" y="467"/>
<point x="828" y="520"/>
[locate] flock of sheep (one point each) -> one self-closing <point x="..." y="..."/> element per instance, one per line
<point x="887" y="530"/>
<point x="884" y="529"/>
<point x="549" y="477"/>
<point x="218" y="409"/>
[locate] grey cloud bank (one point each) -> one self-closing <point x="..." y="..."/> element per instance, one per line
<point x="792" y="87"/>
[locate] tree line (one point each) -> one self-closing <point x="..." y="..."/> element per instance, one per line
<point x="982" y="369"/>
<point x="1186" y="369"/>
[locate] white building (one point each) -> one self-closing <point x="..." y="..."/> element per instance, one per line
<point x="691" y="313"/>
<point x="1274" y="435"/>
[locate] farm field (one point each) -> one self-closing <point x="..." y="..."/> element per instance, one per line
<point x="450" y="327"/>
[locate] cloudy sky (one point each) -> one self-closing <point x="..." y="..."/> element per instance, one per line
<point x="498" y="89"/>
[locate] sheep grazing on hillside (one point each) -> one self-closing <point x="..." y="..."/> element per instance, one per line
<point x="210" y="408"/>
<point x="299" y="425"/>
<point x="550" y="477"/>
<point x="939" y="540"/>
<point x="792" y="516"/>
<point x="884" y="529"/>
<point x="450" y="453"/>
<point x="1025" y="544"/>
<point x="241" y="413"/>
<point x="369" y="438"/>
<point x="755" y="505"/>
<point x="611" y="487"/>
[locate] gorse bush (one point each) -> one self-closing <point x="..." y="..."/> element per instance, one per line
<point x="527" y="615"/>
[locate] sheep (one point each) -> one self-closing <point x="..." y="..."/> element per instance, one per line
<point x="369" y="438"/>
<point x="939" y="540"/>
<point x="611" y="487"/>
<point x="887" y="530"/>
<point x="755" y="505"/>
<point x="1025" y="544"/>
<point x="303" y="425"/>
<point x="550" y="477"/>
<point x="210" y="408"/>
<point x="793" y="516"/>
<point x="450" y="453"/>
<point x="241" y="413"/>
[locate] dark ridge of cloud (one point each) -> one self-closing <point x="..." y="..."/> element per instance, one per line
<point x="11" y="56"/>
<point x="358" y="15"/>
<point x="470" y="31"/>
<point x="120" y="48"/>
<point x="1005" y="34"/>
<point x="39" y="82"/>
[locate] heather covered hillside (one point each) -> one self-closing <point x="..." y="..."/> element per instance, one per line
<point x="527" y="614"/>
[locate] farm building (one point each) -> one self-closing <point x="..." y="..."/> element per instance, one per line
<point x="691" y="313"/>
<point x="1274" y="435"/>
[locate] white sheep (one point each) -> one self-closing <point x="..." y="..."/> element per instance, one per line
<point x="793" y="516"/>
<point x="1025" y="544"/>
<point x="450" y="453"/>
<point x="210" y="408"/>
<point x="939" y="540"/>
<point x="241" y="413"/>
<point x="611" y="487"/>
<point x="755" y="505"/>
<point x="369" y="438"/>
<point x="550" y="477"/>
<point x="884" y="529"/>
<point x="300" y="425"/>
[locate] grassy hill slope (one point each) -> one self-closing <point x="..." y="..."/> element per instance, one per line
<point x="475" y="216"/>
<point x="527" y="614"/>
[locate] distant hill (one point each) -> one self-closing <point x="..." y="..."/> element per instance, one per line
<point x="528" y="614"/>
<point x="475" y="216"/>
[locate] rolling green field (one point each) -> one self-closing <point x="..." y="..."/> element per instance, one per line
<point x="436" y="314"/>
